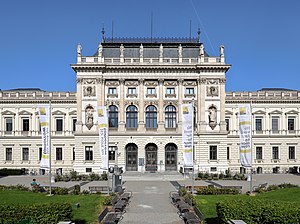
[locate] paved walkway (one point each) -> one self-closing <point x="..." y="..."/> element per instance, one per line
<point x="150" y="203"/>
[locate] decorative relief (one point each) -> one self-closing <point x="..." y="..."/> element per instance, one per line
<point x="160" y="81"/>
<point x="89" y="81"/>
<point x="222" y="80"/>
<point x="131" y="83"/>
<point x="189" y="83"/>
<point x="173" y="103"/>
<point x="100" y="80"/>
<point x="151" y="83"/>
<point x="112" y="83"/>
<point x="202" y="81"/>
<point x="89" y="91"/>
<point x="141" y="81"/>
<point x="127" y="103"/>
<point x="212" y="90"/>
<point x="170" y="83"/>
<point x="212" y="81"/>
<point x="212" y="116"/>
<point x="148" y="103"/>
<point x="89" y="116"/>
<point x="79" y="80"/>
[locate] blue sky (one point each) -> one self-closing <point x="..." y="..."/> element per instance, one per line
<point x="38" y="38"/>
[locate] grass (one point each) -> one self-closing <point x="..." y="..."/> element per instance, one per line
<point x="90" y="205"/>
<point x="207" y="203"/>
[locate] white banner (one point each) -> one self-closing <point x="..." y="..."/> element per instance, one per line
<point x="45" y="129"/>
<point x="187" y="134"/>
<point x="103" y="135"/>
<point x="245" y="135"/>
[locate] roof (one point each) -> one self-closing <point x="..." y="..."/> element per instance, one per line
<point x="276" y="89"/>
<point x="26" y="89"/>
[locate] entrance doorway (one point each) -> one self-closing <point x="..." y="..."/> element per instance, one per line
<point x="171" y="157"/>
<point x="131" y="157"/>
<point x="151" y="157"/>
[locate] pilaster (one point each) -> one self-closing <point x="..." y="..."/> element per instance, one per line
<point x="141" y="124"/>
<point x="121" y="108"/>
<point x="161" y="105"/>
<point x="79" y="106"/>
<point x="180" y="94"/>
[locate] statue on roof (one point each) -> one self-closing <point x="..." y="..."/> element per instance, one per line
<point x="79" y="48"/>
<point x="141" y="51"/>
<point x="222" y="50"/>
<point x="100" y="50"/>
<point x="161" y="51"/>
<point x="122" y="51"/>
<point x="180" y="51"/>
<point x="201" y="53"/>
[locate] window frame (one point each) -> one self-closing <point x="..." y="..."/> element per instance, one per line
<point x="170" y="116"/>
<point x="292" y="152"/>
<point x="88" y="153"/>
<point x="9" y="154"/>
<point x="275" y="152"/>
<point x="151" y="116"/>
<point x="25" y="155"/>
<point x="213" y="152"/>
<point x="259" y="152"/>
<point x="58" y="153"/>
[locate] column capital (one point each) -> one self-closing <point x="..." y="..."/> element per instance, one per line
<point x="100" y="80"/>
<point x="141" y="81"/>
<point x="160" y="81"/>
<point x="122" y="81"/>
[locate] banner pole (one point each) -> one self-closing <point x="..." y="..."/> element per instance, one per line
<point x="50" y="184"/>
<point x="251" y="147"/>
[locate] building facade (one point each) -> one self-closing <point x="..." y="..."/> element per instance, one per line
<point x="143" y="83"/>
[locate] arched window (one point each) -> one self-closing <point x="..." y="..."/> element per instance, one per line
<point x="131" y="117"/>
<point x="151" y="117"/>
<point x="113" y="116"/>
<point x="170" y="117"/>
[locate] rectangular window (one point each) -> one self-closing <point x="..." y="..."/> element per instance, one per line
<point x="25" y="154"/>
<point x="73" y="153"/>
<point x="291" y="124"/>
<point x="8" y="154"/>
<point x="292" y="152"/>
<point x="275" y="152"/>
<point x="25" y="124"/>
<point x="59" y="124"/>
<point x="213" y="152"/>
<point x="131" y="90"/>
<point x="112" y="153"/>
<point x="112" y="90"/>
<point x="40" y="153"/>
<point x="258" y="124"/>
<point x="228" y="153"/>
<point x="227" y="124"/>
<point x="151" y="91"/>
<point x="170" y="91"/>
<point x="275" y="124"/>
<point x="89" y="153"/>
<point x="59" y="153"/>
<point x="259" y="153"/>
<point x="189" y="91"/>
<point x="8" y="124"/>
<point x="74" y="120"/>
<point x="88" y="170"/>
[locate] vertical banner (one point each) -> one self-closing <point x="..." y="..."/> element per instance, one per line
<point x="245" y="135"/>
<point x="103" y="135"/>
<point x="45" y="130"/>
<point x="187" y="134"/>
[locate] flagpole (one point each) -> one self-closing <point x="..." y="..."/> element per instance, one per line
<point x="108" y="152"/>
<point x="251" y="147"/>
<point x="193" y="184"/>
<point x="50" y="184"/>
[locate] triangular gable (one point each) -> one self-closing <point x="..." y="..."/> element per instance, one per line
<point x="259" y="112"/>
<point x="74" y="112"/>
<point x="292" y="112"/>
<point x="276" y="112"/>
<point x="7" y="112"/>
<point x="58" y="112"/>
<point x="24" y="112"/>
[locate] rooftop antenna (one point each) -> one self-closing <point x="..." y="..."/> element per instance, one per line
<point x="112" y="31"/>
<point x="151" y="25"/>
<point x="198" y="35"/>
<point x="190" y="29"/>
<point x="103" y="32"/>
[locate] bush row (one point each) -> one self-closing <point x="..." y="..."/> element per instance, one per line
<point x="258" y="211"/>
<point x="10" y="172"/>
<point x="35" y="214"/>
<point x="220" y="176"/>
<point x="217" y="191"/>
<point x="74" y="176"/>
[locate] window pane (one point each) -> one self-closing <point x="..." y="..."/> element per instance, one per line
<point x="8" y="154"/>
<point x="58" y="153"/>
<point x="74" y="124"/>
<point x="25" y="152"/>
<point x="258" y="124"/>
<point x="291" y="152"/>
<point x="25" y="124"/>
<point x="8" y="124"/>
<point x="258" y="152"/>
<point x="131" y="117"/>
<point x="213" y="152"/>
<point x="275" y="124"/>
<point x="113" y="117"/>
<point x="59" y="124"/>
<point x="151" y="117"/>
<point x="291" y="124"/>
<point x="170" y="117"/>
<point x="88" y="153"/>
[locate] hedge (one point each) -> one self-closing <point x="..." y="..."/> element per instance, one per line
<point x="216" y="191"/>
<point x="9" y="172"/>
<point x="258" y="211"/>
<point x="35" y="214"/>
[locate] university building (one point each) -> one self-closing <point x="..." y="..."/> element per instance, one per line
<point x="143" y="83"/>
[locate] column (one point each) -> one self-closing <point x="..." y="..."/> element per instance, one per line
<point x="222" y="105"/>
<point x="161" y="105"/>
<point x="141" y="126"/>
<point x="79" y="106"/>
<point x="180" y="96"/>
<point x="201" y="105"/>
<point x="121" y="108"/>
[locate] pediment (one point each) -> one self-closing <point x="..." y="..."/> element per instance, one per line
<point x="228" y="112"/>
<point x="24" y="112"/>
<point x="7" y="112"/>
<point x="74" y="112"/>
<point x="58" y="112"/>
<point x="259" y="112"/>
<point x="292" y="112"/>
<point x="276" y="112"/>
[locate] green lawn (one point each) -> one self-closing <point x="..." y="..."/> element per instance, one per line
<point x="88" y="211"/>
<point x="207" y="203"/>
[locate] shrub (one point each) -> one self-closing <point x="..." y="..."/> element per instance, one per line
<point x="59" y="190"/>
<point x="287" y="185"/>
<point x="108" y="200"/>
<point x="94" y="176"/>
<point x="216" y="191"/>
<point x="272" y="188"/>
<point x="11" y="172"/>
<point x="76" y="190"/>
<point x="104" y="176"/>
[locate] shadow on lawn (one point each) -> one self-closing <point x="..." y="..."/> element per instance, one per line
<point x="79" y="221"/>
<point x="211" y="220"/>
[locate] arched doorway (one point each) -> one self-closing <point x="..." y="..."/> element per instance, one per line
<point x="171" y="157"/>
<point x="131" y="157"/>
<point x="151" y="157"/>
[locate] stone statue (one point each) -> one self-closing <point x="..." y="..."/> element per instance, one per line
<point x="180" y="51"/>
<point x="122" y="51"/>
<point x="141" y="51"/>
<point x="100" y="50"/>
<point x="201" y="50"/>
<point x="79" y="48"/>
<point x="89" y="117"/>
<point x="222" y="50"/>
<point x="212" y="115"/>
<point x="161" y="51"/>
